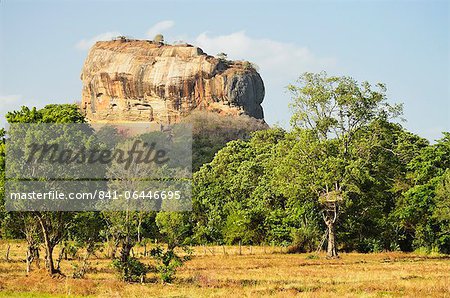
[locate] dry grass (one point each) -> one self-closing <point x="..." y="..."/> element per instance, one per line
<point x="258" y="272"/>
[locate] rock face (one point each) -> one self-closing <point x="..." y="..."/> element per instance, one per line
<point x="138" y="80"/>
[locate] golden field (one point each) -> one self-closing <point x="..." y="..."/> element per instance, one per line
<point x="258" y="272"/>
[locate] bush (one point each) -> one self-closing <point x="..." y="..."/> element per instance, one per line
<point x="444" y="244"/>
<point x="222" y="57"/>
<point x="312" y="257"/>
<point x="79" y="271"/>
<point x="250" y="66"/>
<point x="132" y="270"/>
<point x="167" y="262"/>
<point x="72" y="249"/>
<point x="374" y="245"/>
<point x="427" y="251"/>
<point x="158" y="39"/>
<point x="304" y="239"/>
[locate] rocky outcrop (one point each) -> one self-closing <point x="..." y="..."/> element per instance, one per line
<point x="138" y="80"/>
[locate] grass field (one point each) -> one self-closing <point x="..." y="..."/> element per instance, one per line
<point x="259" y="271"/>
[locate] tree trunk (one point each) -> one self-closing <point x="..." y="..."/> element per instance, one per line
<point x="37" y="256"/>
<point x="84" y="266"/>
<point x="115" y="246"/>
<point x="331" y="248"/>
<point x="48" y="252"/>
<point x="125" y="252"/>
<point x="32" y="254"/>
<point x="49" y="258"/>
<point x="125" y="256"/>
<point x="60" y="257"/>
<point x="29" y="260"/>
<point x="7" y="253"/>
<point x="139" y="230"/>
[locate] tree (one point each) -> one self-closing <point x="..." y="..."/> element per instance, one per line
<point x="122" y="226"/>
<point x="420" y="212"/>
<point x="159" y="39"/>
<point x="335" y="109"/>
<point x="53" y="225"/>
<point x="234" y="186"/>
<point x="237" y="228"/>
<point x="174" y="227"/>
<point x="125" y="217"/>
<point x="222" y="56"/>
<point x="13" y="224"/>
<point x="442" y="212"/>
<point x="275" y="186"/>
<point x="86" y="231"/>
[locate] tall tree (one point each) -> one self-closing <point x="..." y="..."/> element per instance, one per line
<point x="53" y="225"/>
<point x="420" y="211"/>
<point x="336" y="109"/>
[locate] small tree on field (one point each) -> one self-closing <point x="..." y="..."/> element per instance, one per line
<point x="174" y="227"/>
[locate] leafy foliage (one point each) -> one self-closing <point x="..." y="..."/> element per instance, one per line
<point x="132" y="270"/>
<point x="167" y="262"/>
<point x="211" y="132"/>
<point x="254" y="185"/>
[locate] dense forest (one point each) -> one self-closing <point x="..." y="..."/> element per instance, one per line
<point x="252" y="185"/>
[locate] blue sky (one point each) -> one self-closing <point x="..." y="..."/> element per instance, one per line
<point x="404" y="44"/>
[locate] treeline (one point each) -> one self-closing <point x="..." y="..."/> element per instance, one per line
<point x="390" y="187"/>
<point x="264" y="191"/>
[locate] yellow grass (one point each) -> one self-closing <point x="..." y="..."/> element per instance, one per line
<point x="258" y="272"/>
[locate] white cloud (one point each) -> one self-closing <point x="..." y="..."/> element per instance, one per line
<point x="280" y="63"/>
<point x="86" y="44"/>
<point x="9" y="99"/>
<point x="278" y="60"/>
<point x="160" y="27"/>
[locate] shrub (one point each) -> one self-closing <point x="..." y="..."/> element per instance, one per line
<point x="222" y="56"/>
<point x="79" y="271"/>
<point x="304" y="239"/>
<point x="159" y="38"/>
<point x="167" y="262"/>
<point x="250" y="66"/>
<point x="72" y="249"/>
<point x="132" y="270"/>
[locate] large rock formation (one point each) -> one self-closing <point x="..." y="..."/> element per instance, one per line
<point x="138" y="80"/>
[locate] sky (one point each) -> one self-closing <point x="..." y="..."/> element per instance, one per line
<point x="404" y="44"/>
